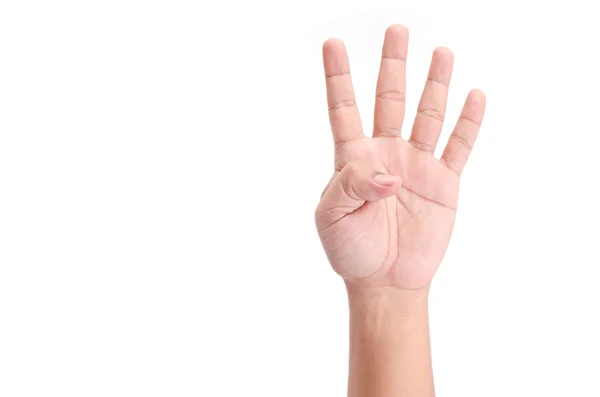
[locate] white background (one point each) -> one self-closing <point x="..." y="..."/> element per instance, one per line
<point x="159" y="166"/>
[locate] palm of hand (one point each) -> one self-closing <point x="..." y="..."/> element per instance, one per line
<point x="392" y="230"/>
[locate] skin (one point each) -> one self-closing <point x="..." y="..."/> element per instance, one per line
<point x="387" y="214"/>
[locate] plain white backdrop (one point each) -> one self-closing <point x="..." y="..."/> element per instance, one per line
<point x="160" y="162"/>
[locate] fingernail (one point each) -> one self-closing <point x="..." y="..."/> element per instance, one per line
<point x="385" y="180"/>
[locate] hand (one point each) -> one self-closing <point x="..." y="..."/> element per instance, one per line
<point x="386" y="216"/>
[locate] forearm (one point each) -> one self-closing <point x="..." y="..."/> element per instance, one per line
<point x="390" y="354"/>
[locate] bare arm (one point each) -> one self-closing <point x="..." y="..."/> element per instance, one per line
<point x="389" y="343"/>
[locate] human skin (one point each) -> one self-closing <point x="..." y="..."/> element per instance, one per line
<point x="386" y="216"/>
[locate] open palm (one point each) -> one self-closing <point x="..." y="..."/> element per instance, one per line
<point x="387" y="214"/>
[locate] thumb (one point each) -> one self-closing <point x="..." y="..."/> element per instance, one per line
<point x="357" y="183"/>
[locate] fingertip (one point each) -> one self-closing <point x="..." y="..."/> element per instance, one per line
<point x="443" y="53"/>
<point x="477" y="95"/>
<point x="335" y="57"/>
<point x="395" y="43"/>
<point x="333" y="45"/>
<point x="475" y="105"/>
<point x="396" y="30"/>
<point x="442" y="63"/>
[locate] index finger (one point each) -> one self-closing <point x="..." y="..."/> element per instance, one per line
<point x="343" y="112"/>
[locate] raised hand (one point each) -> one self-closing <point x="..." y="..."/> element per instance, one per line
<point x="386" y="216"/>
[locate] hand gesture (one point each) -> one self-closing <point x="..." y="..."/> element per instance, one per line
<point x="386" y="216"/>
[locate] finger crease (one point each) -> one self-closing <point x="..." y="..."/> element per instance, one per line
<point x="342" y="104"/>
<point x="432" y="113"/>
<point x="438" y="82"/>
<point x="451" y="164"/>
<point x="393" y="95"/>
<point x="386" y="131"/>
<point x="340" y="144"/>
<point x="462" y="141"/>
<point x="421" y="145"/>
<point x="392" y="58"/>
<point x="329" y="76"/>
<point x="471" y="120"/>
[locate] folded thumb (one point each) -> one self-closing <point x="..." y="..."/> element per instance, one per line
<point x="357" y="183"/>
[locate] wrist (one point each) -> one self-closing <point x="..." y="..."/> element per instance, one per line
<point x="388" y="300"/>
